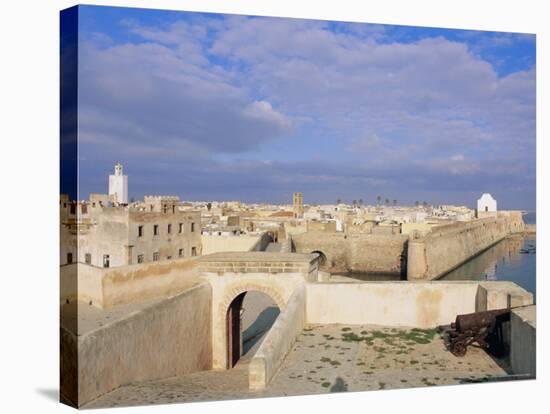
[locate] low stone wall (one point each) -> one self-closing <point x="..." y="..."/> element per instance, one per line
<point x="366" y="253"/>
<point x="278" y="341"/>
<point x="108" y="287"/>
<point x="216" y="244"/>
<point x="421" y="304"/>
<point x="523" y="349"/>
<point x="169" y="338"/>
<point x="447" y="247"/>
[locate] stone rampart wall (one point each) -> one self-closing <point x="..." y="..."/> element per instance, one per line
<point x="172" y="337"/>
<point x="108" y="287"/>
<point x="367" y="253"/>
<point x="447" y="247"/>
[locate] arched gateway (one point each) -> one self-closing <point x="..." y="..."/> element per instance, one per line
<point x="231" y="275"/>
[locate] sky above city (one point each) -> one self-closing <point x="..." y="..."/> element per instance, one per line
<point x="227" y="107"/>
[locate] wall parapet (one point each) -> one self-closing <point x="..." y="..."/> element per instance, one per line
<point x="449" y="246"/>
<point x="278" y="341"/>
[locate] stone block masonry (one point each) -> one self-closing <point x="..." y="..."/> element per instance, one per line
<point x="448" y="247"/>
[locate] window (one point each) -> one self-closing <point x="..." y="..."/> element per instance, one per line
<point x="173" y="209"/>
<point x="155" y="230"/>
<point x="106" y="260"/>
<point x="140" y="231"/>
<point x="193" y="251"/>
<point x="169" y="228"/>
<point x="168" y="257"/>
<point x="192" y="227"/>
<point x="164" y="207"/>
<point x="88" y="258"/>
<point x="140" y="258"/>
<point x="180" y="228"/>
<point x="180" y="252"/>
<point x="73" y="208"/>
<point x="84" y="208"/>
<point x="486" y="208"/>
<point x="69" y="258"/>
<point x="156" y="256"/>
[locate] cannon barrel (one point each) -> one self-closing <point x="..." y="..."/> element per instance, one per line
<point x="483" y="328"/>
<point x="479" y="320"/>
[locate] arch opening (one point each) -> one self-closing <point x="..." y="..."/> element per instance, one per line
<point x="322" y="259"/>
<point x="249" y="317"/>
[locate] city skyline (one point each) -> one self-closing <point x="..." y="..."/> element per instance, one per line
<point x="335" y="110"/>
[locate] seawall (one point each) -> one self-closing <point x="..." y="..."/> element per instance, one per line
<point x="447" y="247"/>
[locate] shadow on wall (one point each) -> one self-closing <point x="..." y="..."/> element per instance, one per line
<point x="256" y="331"/>
<point x="339" y="386"/>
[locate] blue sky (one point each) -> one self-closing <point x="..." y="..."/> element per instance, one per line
<point x="222" y="107"/>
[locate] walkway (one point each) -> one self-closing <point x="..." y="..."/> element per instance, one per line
<point x="328" y="358"/>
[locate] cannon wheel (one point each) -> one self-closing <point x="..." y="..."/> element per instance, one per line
<point x="458" y="349"/>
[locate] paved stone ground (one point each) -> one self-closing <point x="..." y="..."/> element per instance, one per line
<point x="328" y="358"/>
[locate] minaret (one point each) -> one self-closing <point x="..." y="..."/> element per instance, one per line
<point x="298" y="205"/>
<point x="118" y="185"/>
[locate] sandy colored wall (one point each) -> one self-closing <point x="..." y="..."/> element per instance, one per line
<point x="523" y="349"/>
<point x="447" y="247"/>
<point x="279" y="341"/>
<point x="170" y="338"/>
<point x="421" y="304"/>
<point x="82" y="282"/>
<point x="367" y="253"/>
<point x="108" y="287"/>
<point x="215" y="244"/>
<point x="138" y="283"/>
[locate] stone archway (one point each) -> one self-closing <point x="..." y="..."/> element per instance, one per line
<point x="322" y="257"/>
<point x="229" y="316"/>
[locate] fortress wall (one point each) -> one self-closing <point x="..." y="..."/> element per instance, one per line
<point x="447" y="247"/>
<point x="367" y="253"/>
<point x="377" y="253"/>
<point x="138" y="283"/>
<point x="421" y="304"/>
<point x="108" y="287"/>
<point x="279" y="341"/>
<point x="171" y="337"/>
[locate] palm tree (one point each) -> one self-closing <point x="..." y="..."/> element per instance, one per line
<point x="379" y="198"/>
<point x="354" y="203"/>
<point x="360" y="201"/>
<point x="394" y="202"/>
<point x="417" y="203"/>
<point x="339" y="201"/>
<point x="387" y="202"/>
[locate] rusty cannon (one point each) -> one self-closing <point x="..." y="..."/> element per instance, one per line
<point x="485" y="329"/>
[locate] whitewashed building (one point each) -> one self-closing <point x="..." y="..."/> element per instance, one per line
<point x="486" y="205"/>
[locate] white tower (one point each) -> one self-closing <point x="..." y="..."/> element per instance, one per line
<point x="118" y="185"/>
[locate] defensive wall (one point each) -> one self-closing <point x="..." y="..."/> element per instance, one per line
<point x="447" y="247"/>
<point x="108" y="287"/>
<point x="170" y="337"/>
<point x="364" y="253"/>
